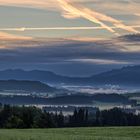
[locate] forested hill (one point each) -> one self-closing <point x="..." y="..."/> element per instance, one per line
<point x="29" y="86"/>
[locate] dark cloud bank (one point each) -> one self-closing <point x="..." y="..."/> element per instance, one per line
<point x="70" y="57"/>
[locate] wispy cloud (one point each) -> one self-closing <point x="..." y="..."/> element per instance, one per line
<point x="137" y="14"/>
<point x="99" y="61"/>
<point x="8" y="36"/>
<point x="63" y="28"/>
<point x="74" y="11"/>
<point x="93" y="16"/>
<point x="115" y="51"/>
<point x="70" y="55"/>
<point x="76" y="8"/>
<point x="29" y="3"/>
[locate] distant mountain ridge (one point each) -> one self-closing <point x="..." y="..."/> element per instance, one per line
<point x="129" y="75"/>
<point x="35" y="75"/>
<point x="26" y="86"/>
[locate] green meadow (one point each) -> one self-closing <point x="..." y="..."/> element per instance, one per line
<point x="96" y="133"/>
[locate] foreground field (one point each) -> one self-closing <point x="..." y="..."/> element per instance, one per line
<point x="110" y="133"/>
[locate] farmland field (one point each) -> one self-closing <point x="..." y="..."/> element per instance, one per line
<point x="106" y="133"/>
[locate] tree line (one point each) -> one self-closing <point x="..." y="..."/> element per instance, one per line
<point x="32" y="117"/>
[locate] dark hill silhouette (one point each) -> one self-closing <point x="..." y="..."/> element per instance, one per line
<point x="27" y="86"/>
<point x="67" y="100"/>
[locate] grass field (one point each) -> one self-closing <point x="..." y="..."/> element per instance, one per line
<point x="110" y="133"/>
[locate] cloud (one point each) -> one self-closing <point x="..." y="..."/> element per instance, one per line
<point x="116" y="6"/>
<point x="63" y="28"/>
<point x="42" y="51"/>
<point x="30" y="3"/>
<point x="67" y="56"/>
<point x="77" y="8"/>
<point x="99" y="61"/>
<point x="8" y="36"/>
<point x="93" y="16"/>
<point x="137" y="14"/>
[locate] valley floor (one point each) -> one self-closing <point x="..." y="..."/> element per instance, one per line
<point x="103" y="133"/>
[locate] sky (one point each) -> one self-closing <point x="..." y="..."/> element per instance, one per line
<point x="69" y="37"/>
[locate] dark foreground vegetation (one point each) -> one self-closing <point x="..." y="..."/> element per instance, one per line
<point x="31" y="117"/>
